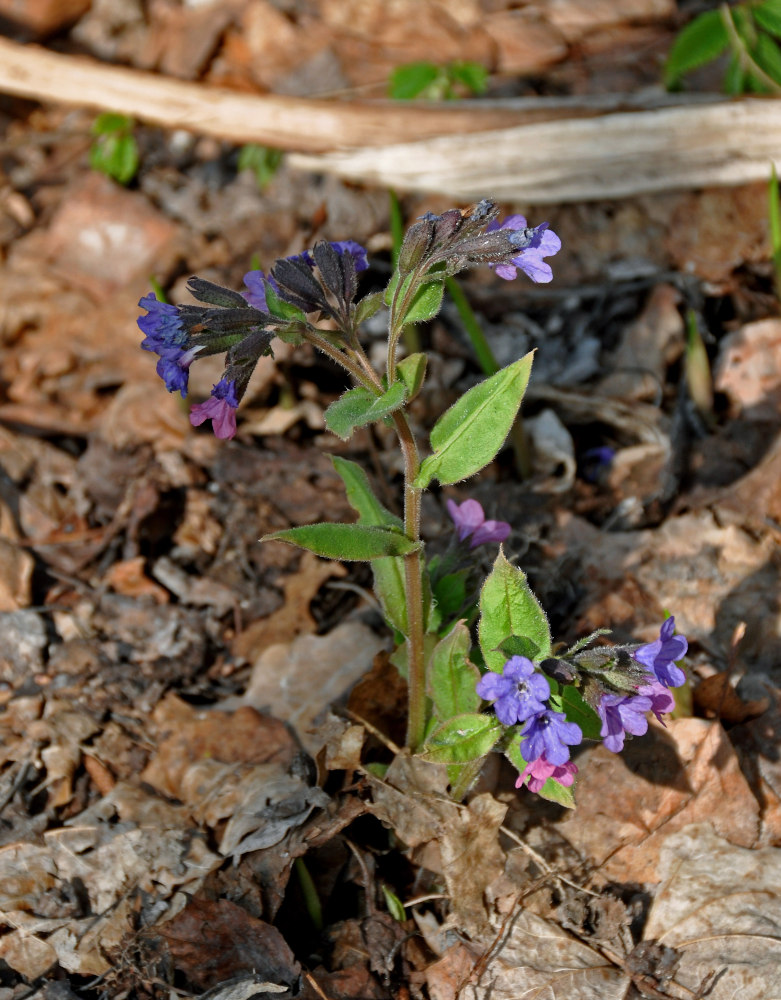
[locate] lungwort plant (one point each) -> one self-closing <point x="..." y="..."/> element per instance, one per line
<point x="528" y="699"/>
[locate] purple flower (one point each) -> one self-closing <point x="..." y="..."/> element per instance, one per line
<point x="549" y="734"/>
<point x="622" y="714"/>
<point x="255" y="282"/>
<point x="220" y="408"/>
<point x="538" y="772"/>
<point x="519" y="692"/>
<point x="660" y="656"/>
<point x="662" y="702"/>
<point x="469" y="519"/>
<point x="544" y="243"/>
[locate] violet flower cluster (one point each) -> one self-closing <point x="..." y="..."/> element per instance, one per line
<point x="622" y="696"/>
<point x="623" y="713"/>
<point x="321" y="283"/>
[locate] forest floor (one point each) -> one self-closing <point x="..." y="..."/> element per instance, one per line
<point x="185" y="806"/>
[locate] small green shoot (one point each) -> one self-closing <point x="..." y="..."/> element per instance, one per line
<point x="748" y="32"/>
<point x="697" y="366"/>
<point x="394" y="904"/>
<point x="427" y="81"/>
<point x="311" y="899"/>
<point x="261" y="160"/>
<point x="114" y="151"/>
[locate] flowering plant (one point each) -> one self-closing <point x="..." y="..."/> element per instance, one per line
<point x="543" y="703"/>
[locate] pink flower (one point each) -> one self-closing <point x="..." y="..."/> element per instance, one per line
<point x="220" y="408"/>
<point x="538" y="772"/>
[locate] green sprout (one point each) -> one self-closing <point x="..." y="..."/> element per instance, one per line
<point x="437" y="83"/>
<point x="261" y="160"/>
<point x="114" y="150"/>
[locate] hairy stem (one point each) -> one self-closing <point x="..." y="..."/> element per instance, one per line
<point x="413" y="587"/>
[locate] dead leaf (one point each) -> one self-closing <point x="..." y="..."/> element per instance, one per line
<point x="717" y="698"/>
<point x="213" y="940"/>
<point x="297" y="681"/>
<point x="294" y="616"/>
<point x="748" y="369"/>
<point x="189" y="735"/>
<point x="530" y="956"/>
<point x="719" y="906"/>
<point x="16" y="571"/>
<point x="128" y="577"/>
<point x="629" y="804"/>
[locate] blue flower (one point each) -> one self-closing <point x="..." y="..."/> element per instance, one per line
<point x="162" y="325"/>
<point x="660" y="656"/>
<point x="220" y="408"/>
<point x="550" y="734"/>
<point x="167" y="337"/>
<point x="355" y="250"/>
<point x="519" y="692"/>
<point x="543" y="242"/>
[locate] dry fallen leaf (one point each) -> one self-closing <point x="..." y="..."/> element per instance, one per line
<point x="629" y="804"/>
<point x="719" y="906"/>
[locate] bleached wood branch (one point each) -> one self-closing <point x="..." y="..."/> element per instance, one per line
<point x="576" y="159"/>
<point x="532" y="151"/>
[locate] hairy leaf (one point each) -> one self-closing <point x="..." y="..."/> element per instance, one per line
<point x="345" y="541"/>
<point x="469" y="435"/>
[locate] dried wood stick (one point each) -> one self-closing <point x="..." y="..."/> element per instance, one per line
<point x="580" y="158"/>
<point x="288" y="123"/>
<point x="536" y="152"/>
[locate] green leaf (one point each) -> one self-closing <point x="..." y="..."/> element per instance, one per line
<point x="115" y="155"/>
<point x="520" y="645"/>
<point x="768" y="16"/>
<point x="469" y="435"/>
<point x="110" y="121"/>
<point x="388" y="573"/>
<point x="412" y="371"/>
<point x="701" y="41"/>
<point x="509" y="608"/>
<point x="394" y="904"/>
<point x="464" y="738"/>
<point x="367" y="307"/>
<point x="735" y="79"/>
<point x="577" y="710"/>
<point x="426" y="302"/>
<point x="471" y="74"/>
<point x="768" y="57"/>
<point x="281" y="309"/>
<point x="450" y="594"/>
<point x="361" y="496"/>
<point x="551" y="790"/>
<point x="451" y="677"/>
<point x="359" y="406"/>
<point x="408" y="82"/>
<point x="261" y="160"/>
<point x="345" y="541"/>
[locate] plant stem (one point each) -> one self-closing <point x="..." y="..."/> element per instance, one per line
<point x="361" y="377"/>
<point x="745" y="58"/>
<point x="413" y="587"/>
